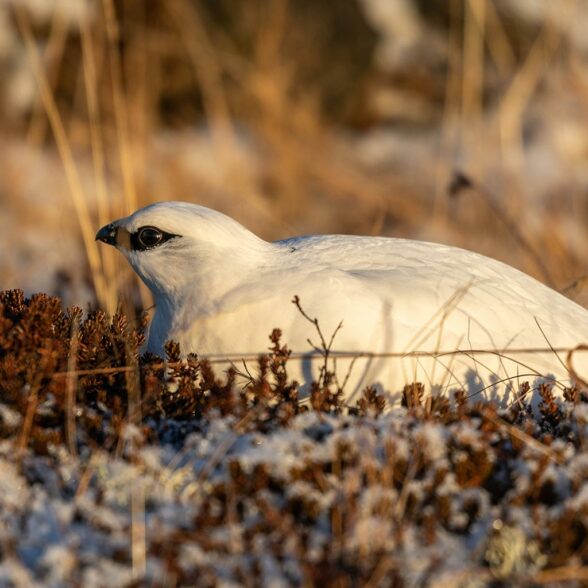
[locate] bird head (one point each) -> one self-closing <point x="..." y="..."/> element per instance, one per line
<point x="174" y="245"/>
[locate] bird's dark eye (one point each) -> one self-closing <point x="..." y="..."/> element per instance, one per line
<point x="149" y="237"/>
<point x="145" y="238"/>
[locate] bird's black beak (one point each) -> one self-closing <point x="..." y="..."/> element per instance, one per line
<point x="107" y="234"/>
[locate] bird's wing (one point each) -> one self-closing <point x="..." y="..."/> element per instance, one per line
<point x="500" y="303"/>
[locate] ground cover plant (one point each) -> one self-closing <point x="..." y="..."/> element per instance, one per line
<point x="460" y="122"/>
<point x="122" y="469"/>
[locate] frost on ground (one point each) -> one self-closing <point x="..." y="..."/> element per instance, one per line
<point x="210" y="485"/>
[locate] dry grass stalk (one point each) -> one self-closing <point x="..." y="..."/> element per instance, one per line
<point x="106" y="210"/>
<point x="71" y="391"/>
<point x="74" y="181"/>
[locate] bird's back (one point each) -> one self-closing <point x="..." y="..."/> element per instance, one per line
<point x="408" y="297"/>
<point x="398" y="269"/>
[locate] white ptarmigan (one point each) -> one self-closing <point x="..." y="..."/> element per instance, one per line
<point x="448" y="318"/>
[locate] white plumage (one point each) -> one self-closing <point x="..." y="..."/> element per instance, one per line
<point x="220" y="290"/>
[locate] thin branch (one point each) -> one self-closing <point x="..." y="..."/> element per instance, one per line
<point x="461" y="183"/>
<point x="220" y="359"/>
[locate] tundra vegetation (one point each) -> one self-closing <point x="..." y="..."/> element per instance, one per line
<point x="458" y="121"/>
<point x="118" y="467"/>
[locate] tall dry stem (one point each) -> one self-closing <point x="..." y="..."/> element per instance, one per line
<point x="65" y="151"/>
<point x="71" y="390"/>
<point x="106" y="210"/>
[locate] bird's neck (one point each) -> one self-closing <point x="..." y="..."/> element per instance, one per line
<point x="191" y="295"/>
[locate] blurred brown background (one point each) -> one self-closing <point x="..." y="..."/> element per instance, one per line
<point x="295" y="117"/>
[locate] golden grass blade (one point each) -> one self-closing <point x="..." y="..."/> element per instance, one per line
<point x="569" y="364"/>
<point x="120" y="108"/>
<point x="70" y="391"/>
<point x="138" y="539"/>
<point x="106" y="212"/>
<point x="524" y="85"/>
<point x="473" y="63"/>
<point x="52" y="57"/>
<point x="208" y="73"/>
<point x="66" y="154"/>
